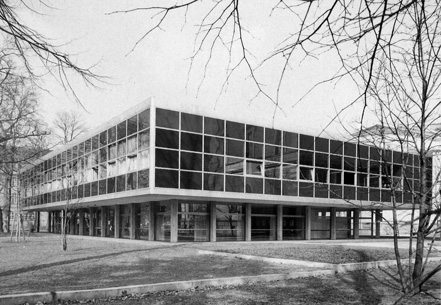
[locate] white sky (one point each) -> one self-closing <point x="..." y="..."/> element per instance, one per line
<point x="159" y="67"/>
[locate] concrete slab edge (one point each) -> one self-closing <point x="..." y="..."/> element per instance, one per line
<point x="103" y="293"/>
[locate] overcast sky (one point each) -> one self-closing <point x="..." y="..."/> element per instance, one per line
<point x="159" y="67"/>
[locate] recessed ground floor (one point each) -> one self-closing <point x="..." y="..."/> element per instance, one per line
<point x="195" y="221"/>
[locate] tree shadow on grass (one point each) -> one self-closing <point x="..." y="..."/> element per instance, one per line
<point x="77" y="260"/>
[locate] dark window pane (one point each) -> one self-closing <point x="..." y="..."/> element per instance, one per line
<point x="374" y="167"/>
<point x="87" y="147"/>
<point x="213" y="182"/>
<point x="191" y="161"/>
<point x="235" y="130"/>
<point x="362" y="165"/>
<point x="234" y="166"/>
<point x="254" y="185"/>
<point x="306" y="173"/>
<point x="335" y="162"/>
<point x="362" y="193"/>
<point x="375" y="154"/>
<point x="306" y="189"/>
<point x="273" y="153"/>
<point x="290" y="139"/>
<point x="349" y="163"/>
<point x="102" y="187"/>
<point x="144" y="119"/>
<point x="69" y="157"/>
<point x="94" y="188"/>
<point x="167" y="138"/>
<point x="349" y="192"/>
<point x="336" y="147"/>
<point x="263" y="210"/>
<point x="321" y="190"/>
<point x="213" y="163"/>
<point x="321" y="160"/>
<point x="167" y="158"/>
<point x="235" y="148"/>
<point x="191" y="141"/>
<point x="111" y="134"/>
<point x="363" y="151"/>
<point x="234" y="184"/>
<point x="273" y="136"/>
<point x="254" y="133"/>
<point x="335" y="177"/>
<point x="144" y="139"/>
<point x="191" y="180"/>
<point x="214" y="145"/>
<point x="290" y="156"/>
<point x="306" y="142"/>
<point x="335" y="191"/>
<point x="103" y="138"/>
<point x="306" y="157"/>
<point x="121" y="183"/>
<point x="321" y="175"/>
<point x="322" y="144"/>
<point x="191" y="122"/>
<point x="350" y="149"/>
<point x="132" y="125"/>
<point x="132" y="180"/>
<point x="254" y="150"/>
<point x="349" y="178"/>
<point x="289" y="172"/>
<point x="214" y="126"/>
<point x="167" y="118"/>
<point x="87" y="190"/>
<point x="273" y="187"/>
<point x="166" y="178"/>
<point x="143" y="178"/>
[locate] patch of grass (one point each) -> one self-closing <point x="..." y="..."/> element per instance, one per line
<point x="319" y="253"/>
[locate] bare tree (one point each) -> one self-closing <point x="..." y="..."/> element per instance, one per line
<point x="68" y="126"/>
<point x="34" y="51"/>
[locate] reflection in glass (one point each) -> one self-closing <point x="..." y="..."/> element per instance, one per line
<point x="234" y="166"/>
<point x="254" y="185"/>
<point x="213" y="182"/>
<point x="213" y="126"/>
<point x="132" y="125"/>
<point x="235" y="130"/>
<point x="167" y="118"/>
<point x="144" y="119"/>
<point x="235" y="148"/>
<point x="190" y="141"/>
<point x="272" y="187"/>
<point x="191" y="122"/>
<point x="167" y="138"/>
<point x="131" y="181"/>
<point x="122" y="148"/>
<point x="131" y="145"/>
<point x="289" y="172"/>
<point x="167" y="158"/>
<point x="254" y="133"/>
<point x="254" y="150"/>
<point x="272" y="170"/>
<point x="191" y="180"/>
<point x="230" y="222"/>
<point x="143" y="159"/>
<point x="234" y="184"/>
<point x="191" y="161"/>
<point x="214" y="145"/>
<point x="306" y="173"/>
<point x="213" y="163"/>
<point x="290" y="139"/>
<point x="273" y="136"/>
<point x="166" y="178"/>
<point x="143" y="178"/>
<point x="254" y="168"/>
<point x="111" y="134"/>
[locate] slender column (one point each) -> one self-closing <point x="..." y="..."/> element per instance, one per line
<point x="103" y="223"/>
<point x="174" y="222"/>
<point x="356" y="222"/>
<point x="279" y="222"/>
<point x="72" y="223"/>
<point x="248" y="222"/>
<point x="91" y="222"/>
<point x="117" y="221"/>
<point x="37" y="222"/>
<point x="333" y="224"/>
<point x="151" y="221"/>
<point x="49" y="222"/>
<point x="213" y="221"/>
<point x="378" y="217"/>
<point x="81" y="225"/>
<point x="132" y="220"/>
<point x="307" y="223"/>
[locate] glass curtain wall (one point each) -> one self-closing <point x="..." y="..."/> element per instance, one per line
<point x="263" y="222"/>
<point x="344" y="224"/>
<point x="193" y="222"/>
<point x="125" y="221"/>
<point x="320" y="223"/>
<point x="142" y="221"/>
<point x="230" y="222"/>
<point x="162" y="221"/>
<point x="293" y="223"/>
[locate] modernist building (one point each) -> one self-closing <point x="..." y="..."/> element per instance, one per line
<point x="161" y="174"/>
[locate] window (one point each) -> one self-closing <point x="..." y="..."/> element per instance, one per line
<point x="167" y="138"/>
<point x="254" y="133"/>
<point x="191" y="122"/>
<point x="214" y="145"/>
<point x="273" y="136"/>
<point x="254" y="168"/>
<point x="167" y="158"/>
<point x="235" y="130"/>
<point x="167" y="118"/>
<point x="290" y="139"/>
<point x="132" y="125"/>
<point x="213" y="126"/>
<point x="190" y="141"/>
<point x="144" y="140"/>
<point x="235" y="148"/>
<point x="144" y="119"/>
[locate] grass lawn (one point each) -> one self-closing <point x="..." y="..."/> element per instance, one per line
<point x="40" y="265"/>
